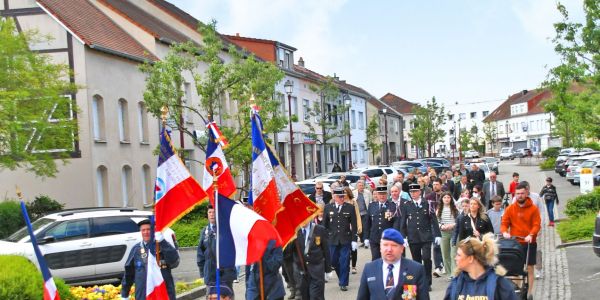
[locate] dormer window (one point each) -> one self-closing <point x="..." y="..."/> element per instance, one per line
<point x="519" y="108"/>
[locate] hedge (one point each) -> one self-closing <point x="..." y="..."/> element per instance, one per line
<point x="551" y="152"/>
<point x="20" y="279"/>
<point x="548" y="163"/>
<point x="12" y="220"/>
<point x="584" y="204"/>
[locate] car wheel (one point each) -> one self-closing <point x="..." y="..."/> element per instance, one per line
<point x="572" y="182"/>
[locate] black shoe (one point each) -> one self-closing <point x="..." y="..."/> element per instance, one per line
<point x="343" y="288"/>
<point x="430" y="288"/>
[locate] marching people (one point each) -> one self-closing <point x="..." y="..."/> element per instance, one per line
<point x="206" y="257"/>
<point x="463" y="206"/>
<point x="392" y="276"/>
<point x="380" y="216"/>
<point x="539" y="203"/>
<point x="477" y="276"/>
<point x="476" y="223"/>
<point x="348" y="198"/>
<point x="225" y="291"/>
<point x="447" y="214"/>
<point x="396" y="199"/>
<point x="495" y="213"/>
<point x="320" y="195"/>
<point x="435" y="198"/>
<point x="522" y="220"/>
<point x="289" y="272"/>
<point x="419" y="224"/>
<point x="513" y="184"/>
<point x="136" y="266"/>
<point x="476" y="176"/>
<point x="340" y="222"/>
<point x="549" y="194"/>
<point x="272" y="281"/>
<point x="363" y="199"/>
<point x="492" y="188"/>
<point x="311" y="257"/>
<point x="461" y="187"/>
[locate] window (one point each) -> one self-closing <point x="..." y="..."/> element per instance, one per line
<point x="143" y="122"/>
<point x="123" y="121"/>
<point x="397" y="125"/>
<point x="485" y="113"/>
<point x="361" y="120"/>
<point x="361" y="154"/>
<point x="281" y="57"/>
<point x="69" y="230"/>
<point x="113" y="225"/>
<point x="126" y="185"/>
<point x="101" y="186"/>
<point x="282" y="102"/>
<point x="147" y="186"/>
<point x="335" y="116"/>
<point x="404" y="123"/>
<point x="462" y="116"/>
<point x="473" y="115"/>
<point x="353" y="119"/>
<point x="98" y="118"/>
<point x="450" y="117"/>
<point x="294" y="106"/>
<point x="287" y="60"/>
<point x="306" y="106"/>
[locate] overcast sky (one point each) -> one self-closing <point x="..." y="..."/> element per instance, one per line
<point x="459" y="51"/>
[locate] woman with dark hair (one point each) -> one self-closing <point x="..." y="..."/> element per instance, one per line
<point x="447" y="214"/>
<point x="349" y="198"/>
<point x="475" y="276"/>
<point x="476" y="223"/>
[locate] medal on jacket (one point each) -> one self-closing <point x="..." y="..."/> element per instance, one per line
<point x="317" y="240"/>
<point x="143" y="252"/>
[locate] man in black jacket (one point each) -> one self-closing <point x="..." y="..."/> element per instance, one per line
<point x="339" y="218"/>
<point x="311" y="256"/>
<point x="476" y="176"/>
<point x="320" y="195"/>
<point x="380" y="216"/>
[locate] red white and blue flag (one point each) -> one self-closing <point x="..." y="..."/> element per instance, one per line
<point x="156" y="288"/>
<point x="291" y="208"/>
<point x="243" y="234"/>
<point x="176" y="192"/>
<point x="215" y="155"/>
<point x="50" y="290"/>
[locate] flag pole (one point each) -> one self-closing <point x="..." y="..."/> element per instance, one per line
<point x="163" y="116"/>
<point x="260" y="264"/>
<point x="215" y="172"/>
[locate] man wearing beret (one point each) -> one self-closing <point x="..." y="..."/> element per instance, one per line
<point x="420" y="226"/>
<point x="339" y="218"/>
<point x="137" y="263"/>
<point x="392" y="276"/>
<point x="225" y="292"/>
<point x="380" y="216"/>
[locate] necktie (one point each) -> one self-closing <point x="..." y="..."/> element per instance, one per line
<point x="389" y="282"/>
<point x="339" y="208"/>
<point x="493" y="189"/>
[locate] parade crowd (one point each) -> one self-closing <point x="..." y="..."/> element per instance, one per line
<point x="450" y="223"/>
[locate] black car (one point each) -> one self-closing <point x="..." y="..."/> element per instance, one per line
<point x="596" y="238"/>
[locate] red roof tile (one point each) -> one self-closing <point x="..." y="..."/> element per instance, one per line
<point x="400" y="105"/>
<point x="264" y="49"/>
<point x="96" y="29"/>
<point x="535" y="104"/>
<point x="177" y="13"/>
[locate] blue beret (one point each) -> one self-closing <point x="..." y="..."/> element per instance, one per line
<point x="393" y="235"/>
<point x="225" y="291"/>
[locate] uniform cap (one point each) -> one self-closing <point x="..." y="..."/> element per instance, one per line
<point x="225" y="291"/>
<point x="414" y="186"/>
<point x="393" y="235"/>
<point x="381" y="189"/>
<point x="143" y="222"/>
<point x="338" y="191"/>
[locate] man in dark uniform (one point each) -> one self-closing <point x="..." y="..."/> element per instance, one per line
<point x="419" y="224"/>
<point x="206" y="256"/>
<point x="380" y="216"/>
<point x="137" y="263"/>
<point x="339" y="218"/>
<point x="311" y="257"/>
<point x="272" y="281"/>
<point x="434" y="198"/>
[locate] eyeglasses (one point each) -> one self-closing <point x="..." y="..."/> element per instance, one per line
<point x="318" y="188"/>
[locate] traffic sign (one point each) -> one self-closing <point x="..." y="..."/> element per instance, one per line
<point x="586" y="180"/>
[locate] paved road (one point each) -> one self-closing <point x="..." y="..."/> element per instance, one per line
<point x="584" y="272"/>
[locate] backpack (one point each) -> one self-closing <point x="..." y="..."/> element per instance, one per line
<point x="490" y="286"/>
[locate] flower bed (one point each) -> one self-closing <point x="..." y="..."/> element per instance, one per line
<point x="104" y="292"/>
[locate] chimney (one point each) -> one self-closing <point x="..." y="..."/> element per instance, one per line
<point x="301" y="62"/>
<point x="525" y="92"/>
<point x="237" y="34"/>
<point x="335" y="77"/>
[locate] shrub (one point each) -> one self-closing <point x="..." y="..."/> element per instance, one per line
<point x="42" y="205"/>
<point x="584" y="204"/>
<point x="548" y="164"/>
<point x="11" y="219"/>
<point x="592" y="145"/>
<point x="579" y="228"/>
<point x="551" y="152"/>
<point x="188" y="232"/>
<point x="20" y="279"/>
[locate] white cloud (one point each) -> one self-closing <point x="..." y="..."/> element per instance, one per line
<point x="538" y="16"/>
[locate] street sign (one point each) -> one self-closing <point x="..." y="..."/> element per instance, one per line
<point x="586" y="180"/>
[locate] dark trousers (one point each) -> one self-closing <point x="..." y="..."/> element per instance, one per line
<point x="550" y="208"/>
<point x="364" y="235"/>
<point x="421" y="253"/>
<point x="437" y="256"/>
<point x="288" y="272"/>
<point x="353" y="257"/>
<point x="340" y="261"/>
<point x="375" y="251"/>
<point x="313" y="282"/>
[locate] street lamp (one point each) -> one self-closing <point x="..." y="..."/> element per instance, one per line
<point x="347" y="100"/>
<point x="507" y="138"/>
<point x="453" y="143"/>
<point x="387" y="156"/>
<point x="289" y="88"/>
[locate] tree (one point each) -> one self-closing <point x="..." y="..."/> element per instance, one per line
<point x="373" y="131"/>
<point x="326" y="114"/>
<point x="428" y="122"/>
<point x="490" y="133"/>
<point x="238" y="80"/>
<point x="575" y="83"/>
<point x="465" y="140"/>
<point x="36" y="109"/>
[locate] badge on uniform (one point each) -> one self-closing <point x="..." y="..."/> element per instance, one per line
<point x="143" y="252"/>
<point x="410" y="277"/>
<point x="409" y="291"/>
<point x="317" y="240"/>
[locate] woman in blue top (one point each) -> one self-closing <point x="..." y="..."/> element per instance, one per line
<point x="476" y="275"/>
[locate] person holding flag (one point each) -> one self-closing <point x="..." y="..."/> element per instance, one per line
<point x="142" y="268"/>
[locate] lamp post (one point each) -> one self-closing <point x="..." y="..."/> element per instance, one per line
<point x="347" y="100"/>
<point x="289" y="88"/>
<point x="507" y="138"/>
<point x="454" y="140"/>
<point x="459" y="143"/>
<point x="387" y="154"/>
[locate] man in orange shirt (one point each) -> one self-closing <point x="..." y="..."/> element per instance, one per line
<point x="522" y="220"/>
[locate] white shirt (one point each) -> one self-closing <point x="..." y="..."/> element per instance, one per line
<point x="395" y="270"/>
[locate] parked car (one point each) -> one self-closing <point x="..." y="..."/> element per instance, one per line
<point x="596" y="238"/>
<point x="471" y="154"/>
<point x="523" y="152"/>
<point x="375" y="172"/>
<point x="507" y="153"/>
<point x="593" y="163"/>
<point x="439" y="168"/>
<point x="308" y="186"/>
<point x="442" y="161"/>
<point x="562" y="168"/>
<point x="82" y="244"/>
<point x="415" y="164"/>
<point x="492" y="163"/>
<point x="573" y="168"/>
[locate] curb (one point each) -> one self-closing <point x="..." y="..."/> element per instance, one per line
<point x="193" y="294"/>
<point x="564" y="245"/>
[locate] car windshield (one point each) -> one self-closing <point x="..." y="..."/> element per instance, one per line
<point x="37" y="225"/>
<point x="588" y="163"/>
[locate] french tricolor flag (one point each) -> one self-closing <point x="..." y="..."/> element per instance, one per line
<point x="176" y="191"/>
<point x="214" y="154"/>
<point x="243" y="234"/>
<point x="50" y="290"/>
<point x="156" y="289"/>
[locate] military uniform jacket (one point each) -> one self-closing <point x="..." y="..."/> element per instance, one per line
<point x="412" y="274"/>
<point x="419" y="224"/>
<point x="317" y="252"/>
<point x="341" y="225"/>
<point x="206" y="258"/>
<point x="376" y="221"/>
<point x="136" y="266"/>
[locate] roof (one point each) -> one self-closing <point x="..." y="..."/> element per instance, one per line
<point x="400" y="105"/>
<point x="177" y="13"/>
<point x="534" y="100"/>
<point x="146" y="21"/>
<point x="237" y="37"/>
<point x="95" y="29"/>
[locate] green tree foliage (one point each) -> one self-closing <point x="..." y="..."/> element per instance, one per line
<point x="428" y="122"/>
<point x="490" y="134"/>
<point x="229" y="75"/>
<point x="372" y="132"/>
<point x="20" y="279"/>
<point x="36" y="111"/>
<point x="465" y="140"/>
<point x="575" y="83"/>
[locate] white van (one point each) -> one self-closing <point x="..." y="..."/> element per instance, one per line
<point x="507" y="153"/>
